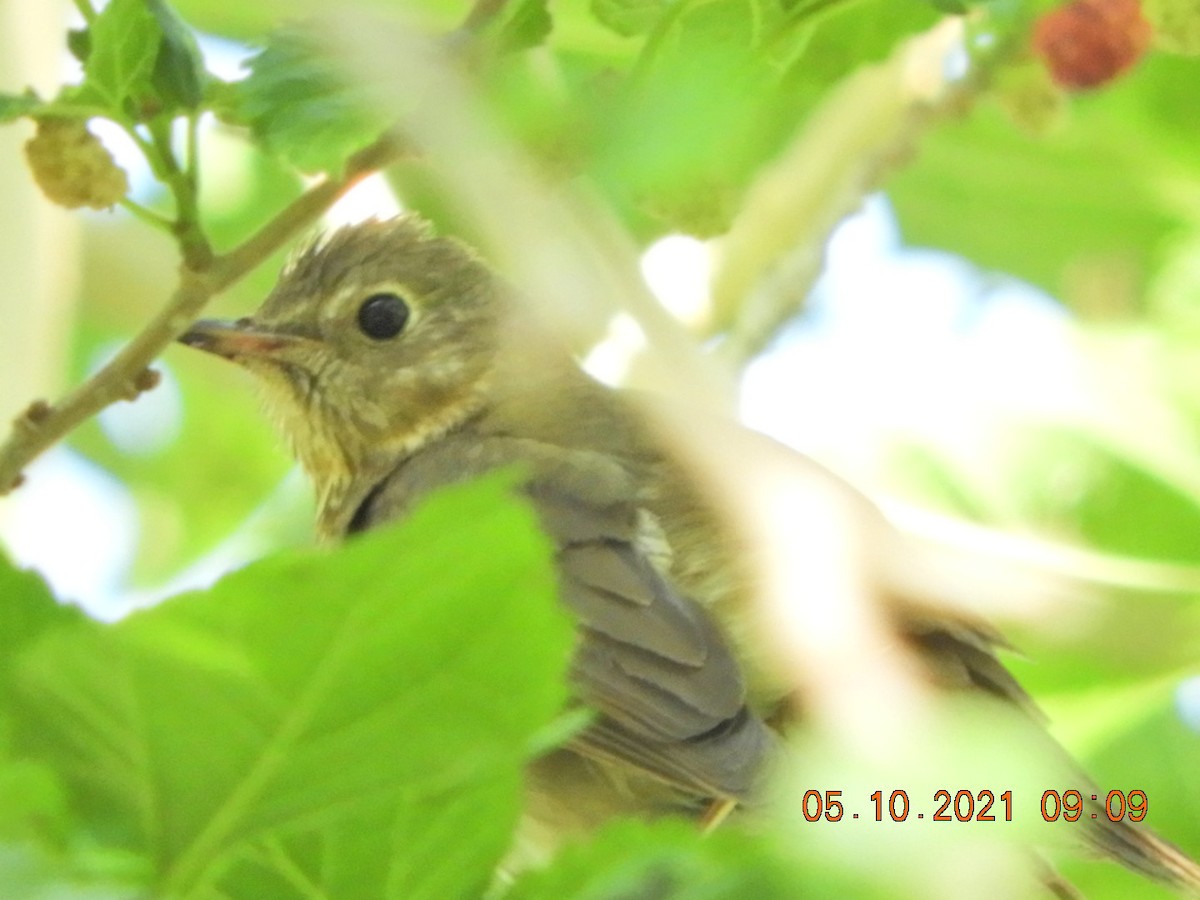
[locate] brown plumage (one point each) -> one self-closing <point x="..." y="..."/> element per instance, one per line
<point x="398" y="363"/>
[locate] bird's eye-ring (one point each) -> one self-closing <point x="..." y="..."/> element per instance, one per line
<point x="382" y="316"/>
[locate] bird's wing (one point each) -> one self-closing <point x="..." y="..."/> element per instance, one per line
<point x="650" y="661"/>
<point x="962" y="654"/>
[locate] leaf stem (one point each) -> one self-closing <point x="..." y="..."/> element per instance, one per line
<point x="126" y="375"/>
<point x="148" y="215"/>
<point x="193" y="152"/>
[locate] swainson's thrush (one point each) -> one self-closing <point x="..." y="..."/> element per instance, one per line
<point x="397" y="363"/>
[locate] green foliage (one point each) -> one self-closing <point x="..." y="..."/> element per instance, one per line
<point x="123" y="44"/>
<point x="179" y="73"/>
<point x="312" y="713"/>
<point x="667" y="859"/>
<point x="14" y="106"/>
<point x="353" y="724"/>
<point x="302" y="106"/>
<point x="527" y="26"/>
<point x="628" y="17"/>
<point x="139" y="60"/>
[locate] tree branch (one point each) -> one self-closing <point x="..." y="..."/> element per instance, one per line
<point x="867" y="126"/>
<point x="127" y="375"/>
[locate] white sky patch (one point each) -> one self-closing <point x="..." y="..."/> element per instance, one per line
<point x="152" y="422"/>
<point x="900" y="340"/>
<point x="76" y="525"/>
<point x="371" y="198"/>
<point x="1187" y="702"/>
<point x="678" y="269"/>
<point x="610" y="359"/>
<point x="225" y="58"/>
<point x="142" y="183"/>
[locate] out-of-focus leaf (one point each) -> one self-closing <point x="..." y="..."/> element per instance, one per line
<point x="408" y="665"/>
<point x="79" y="43"/>
<point x="124" y="42"/>
<point x="528" y="26"/>
<point x="718" y="91"/>
<point x="1046" y="210"/>
<point x="671" y="859"/>
<point x="27" y="612"/>
<point x="629" y="17"/>
<point x="665" y="859"/>
<point x="34" y="812"/>
<point x="31" y="873"/>
<point x="13" y="106"/>
<point x="422" y="848"/>
<point x="179" y="67"/>
<point x="1065" y="480"/>
<point x="694" y="112"/>
<point x="300" y="104"/>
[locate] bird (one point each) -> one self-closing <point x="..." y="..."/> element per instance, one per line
<point x="397" y="362"/>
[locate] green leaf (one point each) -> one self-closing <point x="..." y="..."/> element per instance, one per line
<point x="528" y="26"/>
<point x="124" y="40"/>
<point x="952" y="7"/>
<point x="441" y="846"/>
<point x="79" y="43"/>
<point x="625" y="859"/>
<point x="671" y="858"/>
<point x="629" y="17"/>
<point x="1088" y="197"/>
<point x="13" y="106"/>
<point x="298" y="694"/>
<point x="720" y="87"/>
<point x="179" y="72"/>
<point x="300" y="104"/>
<point x="27" y="612"/>
<point x="30" y="873"/>
<point x="1064" y="478"/>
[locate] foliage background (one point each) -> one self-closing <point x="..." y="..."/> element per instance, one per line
<point x="189" y="749"/>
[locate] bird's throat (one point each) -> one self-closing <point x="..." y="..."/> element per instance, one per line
<point x="345" y="476"/>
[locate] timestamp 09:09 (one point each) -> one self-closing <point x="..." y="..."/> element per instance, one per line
<point x="976" y="806"/>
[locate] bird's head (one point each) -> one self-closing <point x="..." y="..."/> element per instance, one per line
<point x="376" y="340"/>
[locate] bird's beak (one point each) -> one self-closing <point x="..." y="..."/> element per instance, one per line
<point x="243" y="339"/>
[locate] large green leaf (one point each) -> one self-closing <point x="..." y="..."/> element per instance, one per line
<point x="28" y="611"/>
<point x="298" y="694"/>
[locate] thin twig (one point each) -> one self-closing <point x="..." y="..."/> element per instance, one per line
<point x="305" y="210"/>
<point x="865" y="128"/>
<point x="127" y="375"/>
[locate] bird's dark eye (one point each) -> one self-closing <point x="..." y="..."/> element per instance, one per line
<point x="382" y="316"/>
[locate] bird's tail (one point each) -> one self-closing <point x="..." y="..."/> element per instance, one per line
<point x="1141" y="850"/>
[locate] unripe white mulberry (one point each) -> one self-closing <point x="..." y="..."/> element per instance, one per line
<point x="72" y="167"/>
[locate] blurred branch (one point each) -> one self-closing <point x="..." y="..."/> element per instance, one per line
<point x="127" y="375"/>
<point x="867" y="127"/>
